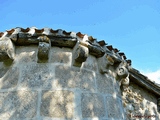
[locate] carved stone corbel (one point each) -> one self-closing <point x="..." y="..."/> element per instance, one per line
<point x="80" y="53"/>
<point x="104" y="63"/>
<point x="7" y="49"/>
<point x="123" y="74"/>
<point x="43" y="48"/>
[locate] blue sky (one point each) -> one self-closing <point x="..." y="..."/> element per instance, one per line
<point x="131" y="26"/>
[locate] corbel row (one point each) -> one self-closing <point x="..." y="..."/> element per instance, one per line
<point x="80" y="54"/>
<point x="61" y="38"/>
<point x="7" y="49"/>
<point x="81" y="50"/>
<point x="120" y="68"/>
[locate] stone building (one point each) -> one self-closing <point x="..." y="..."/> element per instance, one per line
<point x="48" y="74"/>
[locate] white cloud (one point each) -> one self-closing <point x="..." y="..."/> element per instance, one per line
<point x="155" y="76"/>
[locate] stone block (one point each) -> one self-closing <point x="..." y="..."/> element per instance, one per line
<point x="64" y="77"/>
<point x="60" y="55"/>
<point x="16" y="105"/>
<point x="25" y="54"/>
<point x="104" y="84"/>
<point x="87" y="80"/>
<point x="91" y="63"/>
<point x="68" y="77"/>
<point x="9" y="77"/>
<point x="92" y="105"/>
<point x="117" y="88"/>
<point x="36" y="76"/>
<point x="57" y="104"/>
<point x="113" y="108"/>
<point x="96" y="50"/>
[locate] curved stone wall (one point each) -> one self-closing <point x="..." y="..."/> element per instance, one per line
<point x="56" y="90"/>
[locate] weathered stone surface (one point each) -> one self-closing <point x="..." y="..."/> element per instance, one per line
<point x="63" y="41"/>
<point x="64" y="77"/>
<point x="60" y="55"/>
<point x="104" y="63"/>
<point x="7" y="49"/>
<point x="67" y="77"/>
<point x="104" y="84"/>
<point x="18" y="105"/>
<point x="26" y="39"/>
<point x="43" y="51"/>
<point x="122" y="72"/>
<point x="80" y="54"/>
<point x="44" y="38"/>
<point x="113" y="108"/>
<point x="92" y="105"/>
<point x="91" y="63"/>
<point x="3" y="69"/>
<point x="57" y="104"/>
<point x="25" y="54"/>
<point x="30" y="38"/>
<point x="138" y="101"/>
<point x="9" y="77"/>
<point x="123" y="75"/>
<point x="36" y="76"/>
<point x="117" y="88"/>
<point x="96" y="50"/>
<point x="86" y="80"/>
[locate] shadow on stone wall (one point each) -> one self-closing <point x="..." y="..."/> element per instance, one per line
<point x="18" y="104"/>
<point x="9" y="76"/>
<point x="57" y="104"/>
<point x="38" y="90"/>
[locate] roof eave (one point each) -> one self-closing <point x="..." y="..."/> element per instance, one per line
<point x="145" y="82"/>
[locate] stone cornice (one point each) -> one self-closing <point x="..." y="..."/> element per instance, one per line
<point x="144" y="82"/>
<point x="61" y="38"/>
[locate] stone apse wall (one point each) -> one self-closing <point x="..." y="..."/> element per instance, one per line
<point x="46" y="78"/>
<point x="56" y="89"/>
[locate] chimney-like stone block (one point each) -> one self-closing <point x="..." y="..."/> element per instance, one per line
<point x="80" y="54"/>
<point x="43" y="48"/>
